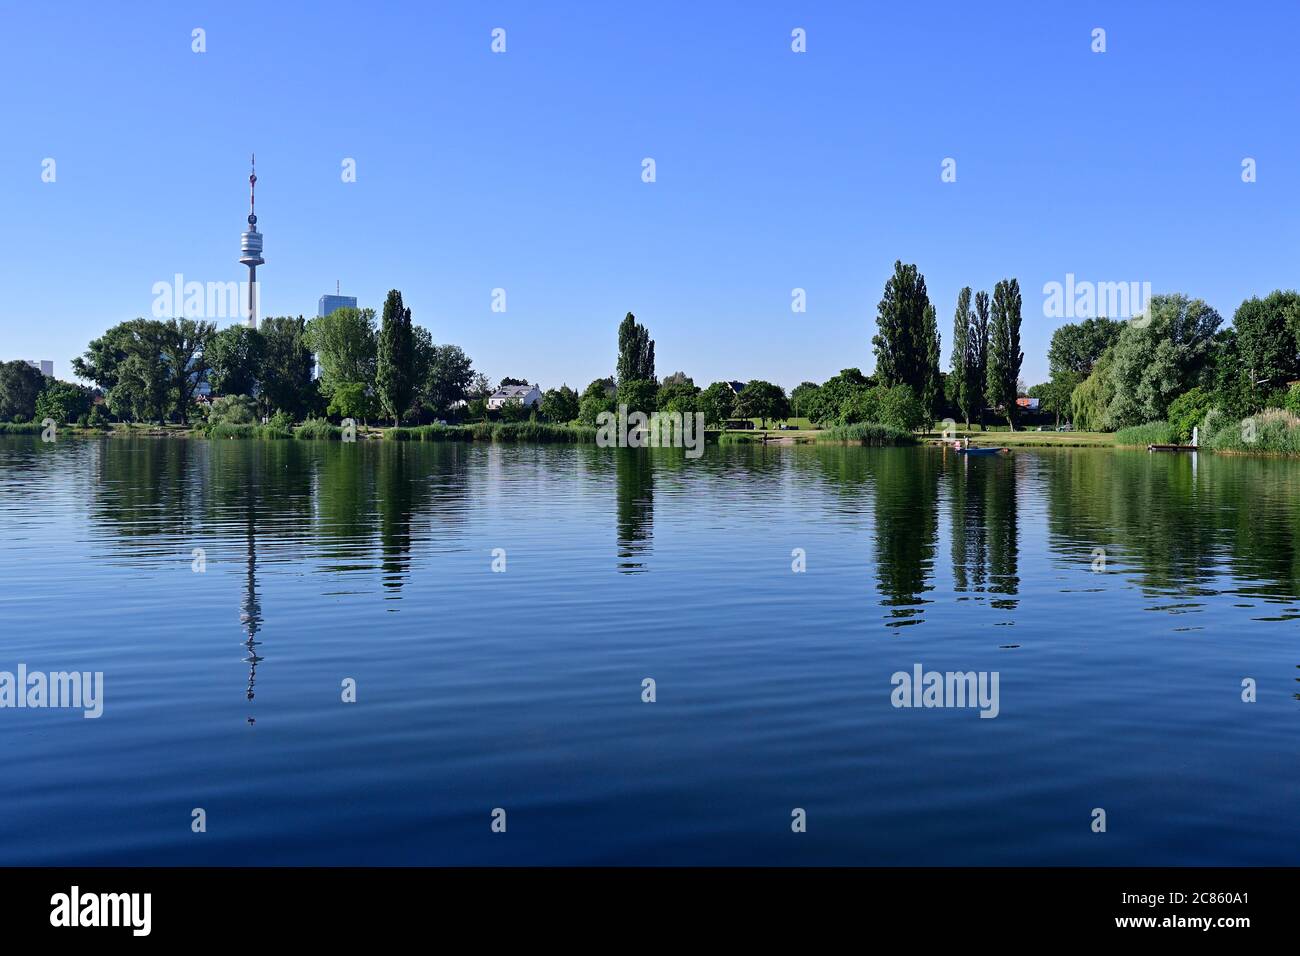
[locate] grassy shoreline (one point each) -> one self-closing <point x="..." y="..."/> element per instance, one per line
<point x="865" y="435"/>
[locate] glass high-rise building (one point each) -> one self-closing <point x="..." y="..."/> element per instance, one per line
<point x="328" y="303"/>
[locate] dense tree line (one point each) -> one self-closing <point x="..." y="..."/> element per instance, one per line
<point x="1175" y="363"/>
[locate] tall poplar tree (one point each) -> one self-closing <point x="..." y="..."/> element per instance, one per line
<point x="980" y="351"/>
<point x="965" y="359"/>
<point x="1005" y="356"/>
<point x="636" y="352"/>
<point x="395" y="359"/>
<point x="900" y="343"/>
<point x="932" y="384"/>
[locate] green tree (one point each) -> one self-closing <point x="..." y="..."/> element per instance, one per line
<point x="286" y="381"/>
<point x="980" y="349"/>
<point x="1160" y="356"/>
<point x="449" y="378"/>
<point x="1055" y="394"/>
<point x="763" y="400"/>
<point x="1266" y="341"/>
<point x="1090" y="401"/>
<point x="932" y="384"/>
<point x="1188" y="411"/>
<point x="559" y="405"/>
<point x="512" y="410"/>
<point x="63" y="402"/>
<point x="1077" y="347"/>
<point x="828" y="407"/>
<point x="638" y="395"/>
<point x="599" y="396"/>
<point x="184" y="342"/>
<point x="901" y="345"/>
<point x="862" y="405"/>
<point x="900" y="408"/>
<point x="104" y="356"/>
<point x="345" y="345"/>
<point x="235" y="358"/>
<point x="718" y="402"/>
<point x="1234" y="395"/>
<point x="352" y="400"/>
<point x="1005" y="357"/>
<point x="395" y="359"/>
<point x="676" y="395"/>
<point x="141" y="392"/>
<point x="804" y="398"/>
<point x="20" y="386"/>
<point x="128" y="362"/>
<point x="636" y="352"/>
<point x="965" y="360"/>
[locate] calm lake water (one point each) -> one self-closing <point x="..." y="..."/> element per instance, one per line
<point x="1120" y="688"/>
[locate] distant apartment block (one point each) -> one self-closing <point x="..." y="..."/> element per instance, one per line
<point x="44" y="366"/>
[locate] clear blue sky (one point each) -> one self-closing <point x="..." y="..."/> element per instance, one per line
<point x="523" y="171"/>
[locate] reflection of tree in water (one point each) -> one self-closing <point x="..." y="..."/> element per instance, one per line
<point x="1177" y="522"/>
<point x="970" y="544"/>
<point x="985" y="528"/>
<point x="398" y="485"/>
<point x="907" y="527"/>
<point x="1139" y="509"/>
<point x="140" y="480"/>
<point x="634" y="483"/>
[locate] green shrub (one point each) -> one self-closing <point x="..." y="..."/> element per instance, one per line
<point x="529" y="431"/>
<point x="1274" y="431"/>
<point x="900" y="409"/>
<point x="223" y="430"/>
<point x="1292" y="403"/>
<point x="868" y="433"/>
<point x="1152" y="433"/>
<point x="318" y="429"/>
<point x="1186" y="412"/>
<point x="233" y="410"/>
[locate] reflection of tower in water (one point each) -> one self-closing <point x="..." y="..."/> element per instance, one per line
<point x="250" y="609"/>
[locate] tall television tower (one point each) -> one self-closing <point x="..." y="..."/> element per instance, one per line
<point x="250" y="247"/>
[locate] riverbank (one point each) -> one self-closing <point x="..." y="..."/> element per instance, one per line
<point x="1275" y="439"/>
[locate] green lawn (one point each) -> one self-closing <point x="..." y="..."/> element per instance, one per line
<point x="1027" y="439"/>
